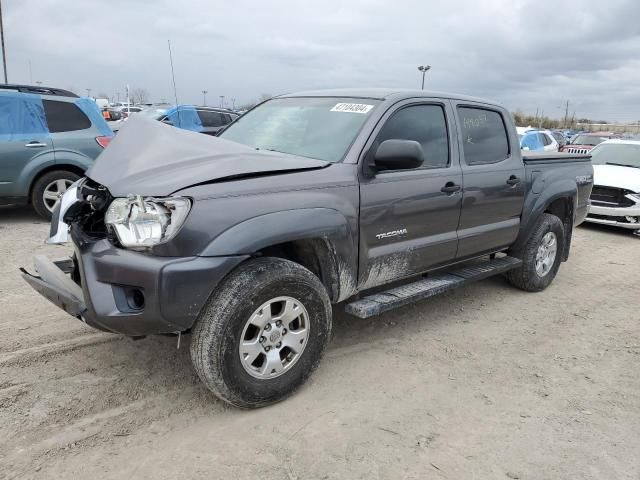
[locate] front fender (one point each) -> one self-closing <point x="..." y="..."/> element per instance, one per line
<point x="328" y="225"/>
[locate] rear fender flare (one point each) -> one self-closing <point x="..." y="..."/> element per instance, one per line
<point x="553" y="191"/>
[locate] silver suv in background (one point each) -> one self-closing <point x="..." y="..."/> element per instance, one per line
<point x="48" y="138"/>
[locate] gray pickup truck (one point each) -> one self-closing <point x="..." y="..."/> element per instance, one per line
<point x="367" y="198"/>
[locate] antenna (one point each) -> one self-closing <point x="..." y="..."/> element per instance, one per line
<point x="173" y="76"/>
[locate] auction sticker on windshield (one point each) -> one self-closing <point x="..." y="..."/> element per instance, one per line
<point x="352" y="108"/>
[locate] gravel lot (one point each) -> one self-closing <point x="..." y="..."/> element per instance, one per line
<point x="485" y="382"/>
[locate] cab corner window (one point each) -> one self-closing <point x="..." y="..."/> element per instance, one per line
<point x="64" y="117"/>
<point x="424" y="124"/>
<point x="484" y="136"/>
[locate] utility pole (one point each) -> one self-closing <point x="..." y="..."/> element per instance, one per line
<point x="221" y="101"/>
<point x="566" y="114"/>
<point x="204" y="97"/>
<point x="424" y="69"/>
<point x="4" y="52"/>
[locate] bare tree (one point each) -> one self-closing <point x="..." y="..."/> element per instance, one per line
<point x="103" y="95"/>
<point x="139" y="95"/>
<point x="249" y="105"/>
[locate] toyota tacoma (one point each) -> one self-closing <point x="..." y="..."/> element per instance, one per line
<point x="371" y="199"/>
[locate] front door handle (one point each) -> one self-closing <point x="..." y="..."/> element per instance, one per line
<point x="450" y="187"/>
<point x="513" y="180"/>
<point x="35" y="144"/>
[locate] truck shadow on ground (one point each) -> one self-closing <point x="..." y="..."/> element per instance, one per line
<point x="156" y="364"/>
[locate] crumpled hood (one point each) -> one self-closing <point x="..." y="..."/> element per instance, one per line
<point x="615" y="176"/>
<point x="150" y="158"/>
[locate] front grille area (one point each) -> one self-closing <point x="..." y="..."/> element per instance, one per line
<point x="575" y="150"/>
<point x="610" y="197"/>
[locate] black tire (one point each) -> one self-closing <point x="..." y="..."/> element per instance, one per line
<point x="217" y="334"/>
<point x="526" y="277"/>
<point x="37" y="192"/>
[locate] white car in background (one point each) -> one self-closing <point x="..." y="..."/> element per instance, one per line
<point x="537" y="140"/>
<point x="615" y="198"/>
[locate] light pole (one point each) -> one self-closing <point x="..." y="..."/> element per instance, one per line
<point x="88" y="92"/>
<point x="204" y="97"/>
<point x="424" y="69"/>
<point x="221" y="101"/>
<point x="4" y="53"/>
<point x="233" y="104"/>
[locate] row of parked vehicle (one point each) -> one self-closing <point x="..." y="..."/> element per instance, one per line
<point x="49" y="137"/>
<point x="203" y="119"/>
<point x="540" y="140"/>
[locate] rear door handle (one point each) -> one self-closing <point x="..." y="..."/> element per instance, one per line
<point x="513" y="180"/>
<point x="35" y="144"/>
<point x="450" y="187"/>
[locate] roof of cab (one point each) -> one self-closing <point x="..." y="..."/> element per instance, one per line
<point x="384" y="94"/>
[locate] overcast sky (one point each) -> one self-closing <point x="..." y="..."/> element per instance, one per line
<point x="526" y="54"/>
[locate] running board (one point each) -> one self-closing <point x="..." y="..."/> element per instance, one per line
<point x="381" y="302"/>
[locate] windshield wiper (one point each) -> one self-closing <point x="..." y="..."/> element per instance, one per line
<point x="622" y="165"/>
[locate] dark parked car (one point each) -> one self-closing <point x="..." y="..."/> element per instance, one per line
<point x="48" y="138"/>
<point x="208" y="120"/>
<point x="247" y="239"/>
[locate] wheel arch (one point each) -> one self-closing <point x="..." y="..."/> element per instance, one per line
<point x="561" y="203"/>
<point x="53" y="168"/>
<point x="319" y="239"/>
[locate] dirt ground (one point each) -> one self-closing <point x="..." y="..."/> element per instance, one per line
<point x="482" y="383"/>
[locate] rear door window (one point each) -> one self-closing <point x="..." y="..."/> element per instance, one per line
<point x="21" y="116"/>
<point x="484" y="136"/>
<point x="425" y="124"/>
<point x="545" y="139"/>
<point x="212" y="119"/>
<point x="64" y="117"/>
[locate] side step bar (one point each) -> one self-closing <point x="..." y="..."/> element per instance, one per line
<point x="381" y="302"/>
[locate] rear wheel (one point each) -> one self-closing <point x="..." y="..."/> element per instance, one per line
<point x="48" y="190"/>
<point x="541" y="255"/>
<point x="262" y="332"/>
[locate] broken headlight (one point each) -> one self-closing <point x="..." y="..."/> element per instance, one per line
<point x="142" y="222"/>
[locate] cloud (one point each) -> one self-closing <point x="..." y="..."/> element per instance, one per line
<point x="527" y="54"/>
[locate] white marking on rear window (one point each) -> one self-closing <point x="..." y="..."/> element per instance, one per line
<point x="352" y="108"/>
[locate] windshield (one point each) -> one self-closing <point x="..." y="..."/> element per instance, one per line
<point x="321" y="128"/>
<point x="627" y="155"/>
<point x="588" y="140"/>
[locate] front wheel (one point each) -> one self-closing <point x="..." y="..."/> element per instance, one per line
<point x="541" y="256"/>
<point x="262" y="332"/>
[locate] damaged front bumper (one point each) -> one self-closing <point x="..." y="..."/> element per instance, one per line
<point x="122" y="291"/>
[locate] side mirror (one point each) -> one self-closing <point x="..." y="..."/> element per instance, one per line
<point x="167" y="121"/>
<point x="398" y="155"/>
